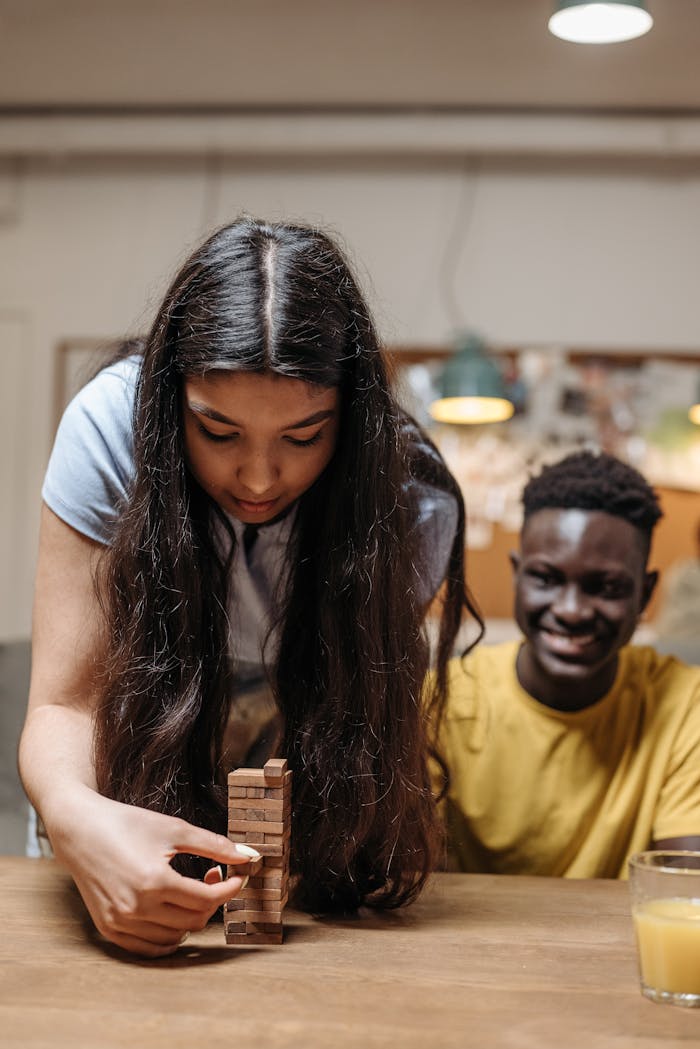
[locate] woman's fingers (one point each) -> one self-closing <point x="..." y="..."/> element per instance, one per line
<point x="213" y="876"/>
<point x="217" y="847"/>
<point x="201" y="896"/>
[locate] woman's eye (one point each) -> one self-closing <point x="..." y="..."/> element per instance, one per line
<point x="216" y="437"/>
<point x="304" y="444"/>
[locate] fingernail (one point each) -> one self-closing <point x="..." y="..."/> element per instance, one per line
<point x="220" y="869"/>
<point x="244" y="883"/>
<point x="246" y="850"/>
<point x="183" y="938"/>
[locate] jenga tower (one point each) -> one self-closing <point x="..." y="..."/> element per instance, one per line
<point x="260" y="814"/>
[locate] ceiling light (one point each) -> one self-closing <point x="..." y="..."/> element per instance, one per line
<point x="600" y="23"/>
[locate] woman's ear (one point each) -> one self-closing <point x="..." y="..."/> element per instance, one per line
<point x="514" y="559"/>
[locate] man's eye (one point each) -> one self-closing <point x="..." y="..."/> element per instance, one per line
<point x="543" y="578"/>
<point x="612" y="590"/>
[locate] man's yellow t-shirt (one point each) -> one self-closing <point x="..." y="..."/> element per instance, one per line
<point x="537" y="791"/>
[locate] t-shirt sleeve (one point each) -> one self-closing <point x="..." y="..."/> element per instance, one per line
<point x="678" y="809"/>
<point x="91" y="465"/>
<point x="437" y="526"/>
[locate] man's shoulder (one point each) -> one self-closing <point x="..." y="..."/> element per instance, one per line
<point x="661" y="674"/>
<point x="490" y="665"/>
<point x="484" y="656"/>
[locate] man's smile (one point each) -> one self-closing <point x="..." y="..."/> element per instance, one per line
<point x="566" y="644"/>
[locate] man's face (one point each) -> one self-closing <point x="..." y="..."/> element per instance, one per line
<point x="580" y="586"/>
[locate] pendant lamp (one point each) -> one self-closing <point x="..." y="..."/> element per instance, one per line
<point x="600" y="23"/>
<point x="471" y="387"/>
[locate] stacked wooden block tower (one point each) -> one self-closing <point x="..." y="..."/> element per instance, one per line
<point x="260" y="814"/>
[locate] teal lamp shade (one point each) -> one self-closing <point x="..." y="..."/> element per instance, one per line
<point x="600" y="23"/>
<point x="471" y="388"/>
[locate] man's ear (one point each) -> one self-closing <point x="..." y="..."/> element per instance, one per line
<point x="515" y="560"/>
<point x="650" y="581"/>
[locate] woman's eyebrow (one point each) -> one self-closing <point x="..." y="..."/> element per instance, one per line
<point x="211" y="413"/>
<point x="317" y="417"/>
<point x="202" y="409"/>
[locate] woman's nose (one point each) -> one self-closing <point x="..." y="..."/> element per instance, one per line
<point x="258" y="474"/>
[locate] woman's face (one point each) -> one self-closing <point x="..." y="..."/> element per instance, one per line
<point x="254" y="442"/>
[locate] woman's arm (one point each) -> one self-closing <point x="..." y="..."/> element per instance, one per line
<point x="118" y="855"/>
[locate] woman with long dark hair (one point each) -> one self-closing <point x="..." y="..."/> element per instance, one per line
<point x="241" y="501"/>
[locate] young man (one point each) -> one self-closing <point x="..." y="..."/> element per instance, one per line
<point x="570" y="750"/>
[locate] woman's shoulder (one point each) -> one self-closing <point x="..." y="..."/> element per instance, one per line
<point x="112" y="388"/>
<point x="91" y="464"/>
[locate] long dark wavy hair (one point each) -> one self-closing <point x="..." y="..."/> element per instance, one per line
<point x="349" y="673"/>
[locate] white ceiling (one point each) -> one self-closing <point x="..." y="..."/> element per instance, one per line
<point x="357" y="54"/>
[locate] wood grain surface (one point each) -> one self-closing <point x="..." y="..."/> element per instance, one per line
<point x="481" y="961"/>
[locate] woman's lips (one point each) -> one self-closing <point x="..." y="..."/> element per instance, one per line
<point x="256" y="508"/>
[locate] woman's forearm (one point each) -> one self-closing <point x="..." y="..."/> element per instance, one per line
<point x="55" y="762"/>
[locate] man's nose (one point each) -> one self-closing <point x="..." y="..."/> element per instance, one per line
<point x="572" y="604"/>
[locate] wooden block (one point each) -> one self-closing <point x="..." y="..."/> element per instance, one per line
<point x="238" y="909"/>
<point x="250" y="899"/>
<point x="236" y="927"/>
<point x="277" y="852"/>
<point x="256" y="916"/>
<point x="272" y="861"/>
<point x="265" y="899"/>
<point x="247" y="837"/>
<point x="238" y="792"/>
<point x="274" y="771"/>
<point x="283" y="790"/>
<point x="234" y="905"/>
<point x="274" y="835"/>
<point x="252" y="939"/>
<point x="281" y="811"/>
<point x="251" y="815"/>
<point x="280" y="805"/>
<point x="266" y="884"/>
<point x="266" y="826"/>
<point x="258" y="927"/>
<point x="244" y="870"/>
<point x="260" y="899"/>
<point x="246" y="778"/>
<point x="252" y="916"/>
<point x="255" y="792"/>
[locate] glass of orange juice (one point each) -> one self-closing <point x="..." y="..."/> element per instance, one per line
<point x="665" y="893"/>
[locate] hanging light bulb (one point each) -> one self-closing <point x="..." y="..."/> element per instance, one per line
<point x="471" y="385"/>
<point x="600" y="23"/>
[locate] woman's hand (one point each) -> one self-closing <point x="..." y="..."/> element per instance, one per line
<point x="119" y="857"/>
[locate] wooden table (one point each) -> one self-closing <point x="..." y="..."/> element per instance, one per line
<point x="479" y="961"/>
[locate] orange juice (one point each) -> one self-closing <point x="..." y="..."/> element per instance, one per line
<point x="668" y="936"/>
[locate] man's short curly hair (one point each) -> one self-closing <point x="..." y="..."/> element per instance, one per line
<point x="586" y="481"/>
